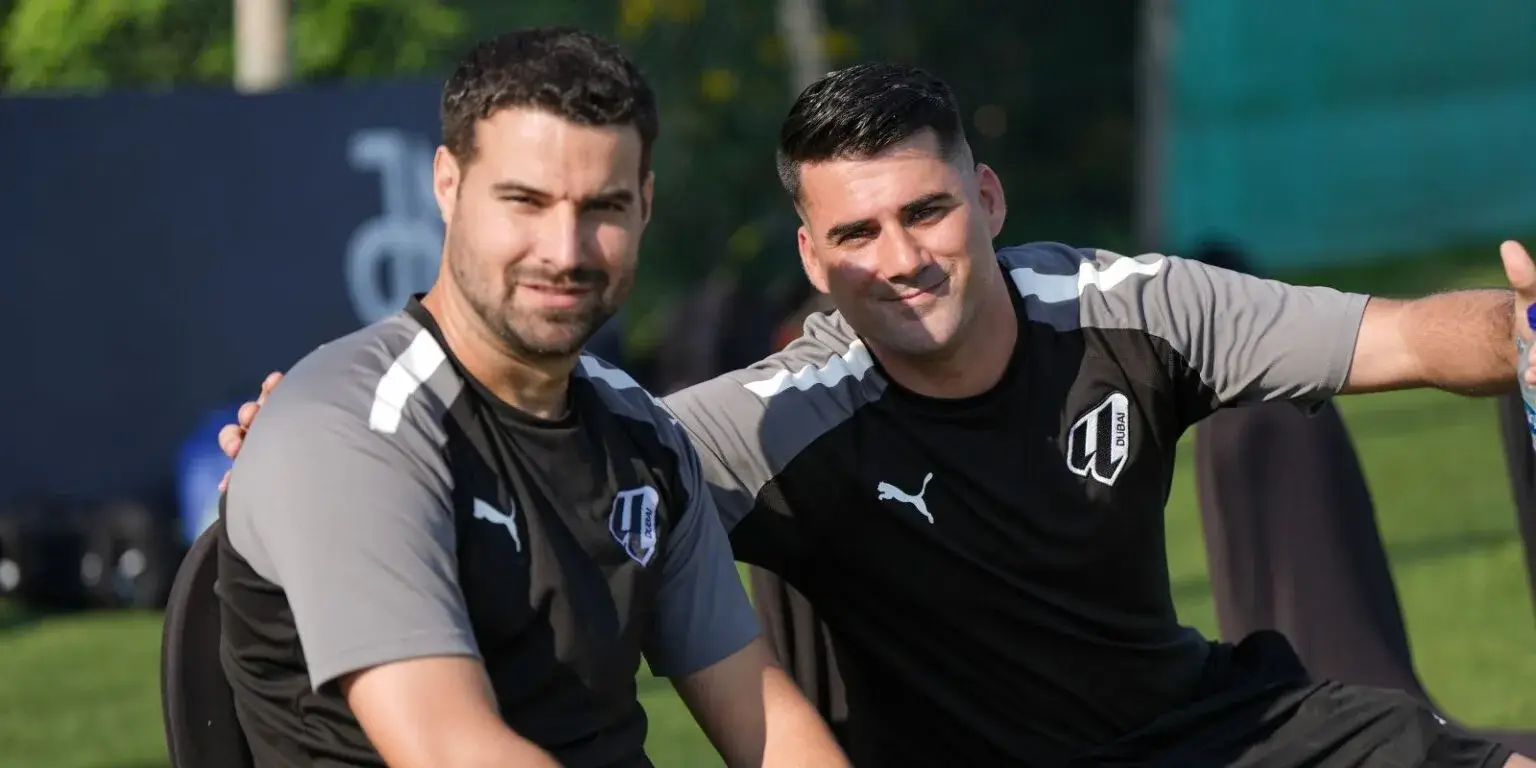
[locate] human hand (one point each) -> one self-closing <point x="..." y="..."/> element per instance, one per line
<point x="233" y="435"/>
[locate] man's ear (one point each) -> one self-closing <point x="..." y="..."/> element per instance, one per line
<point x="446" y="175"/>
<point x="647" y="194"/>
<point x="815" y="271"/>
<point x="989" y="188"/>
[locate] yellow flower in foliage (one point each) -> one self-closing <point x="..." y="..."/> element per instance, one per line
<point x="637" y="16"/>
<point x="717" y="85"/>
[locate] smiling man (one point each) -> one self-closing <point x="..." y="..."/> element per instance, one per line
<point x="453" y="536"/>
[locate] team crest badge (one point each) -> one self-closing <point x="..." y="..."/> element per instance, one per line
<point x="1099" y="444"/>
<point x="633" y="522"/>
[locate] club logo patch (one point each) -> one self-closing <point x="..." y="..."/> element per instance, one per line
<point x="1100" y="442"/>
<point x="633" y="523"/>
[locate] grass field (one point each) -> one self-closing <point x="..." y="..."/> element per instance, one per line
<point x="82" y="691"/>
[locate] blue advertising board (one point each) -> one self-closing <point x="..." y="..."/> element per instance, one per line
<point x="161" y="252"/>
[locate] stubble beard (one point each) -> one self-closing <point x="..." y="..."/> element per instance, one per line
<point x="532" y="334"/>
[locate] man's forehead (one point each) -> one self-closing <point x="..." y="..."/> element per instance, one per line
<point x="539" y="124"/>
<point x="541" y="149"/>
<point x="868" y="187"/>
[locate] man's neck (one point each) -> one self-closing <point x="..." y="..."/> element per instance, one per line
<point x="973" y="366"/>
<point x="535" y="387"/>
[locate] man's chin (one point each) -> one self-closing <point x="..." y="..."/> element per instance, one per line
<point x="554" y="346"/>
<point x="552" y="340"/>
<point x="916" y="337"/>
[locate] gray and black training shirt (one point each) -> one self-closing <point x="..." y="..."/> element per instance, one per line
<point x="386" y="507"/>
<point x="993" y="569"/>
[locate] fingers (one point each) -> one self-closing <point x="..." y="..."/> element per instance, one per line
<point x="247" y="414"/>
<point x="266" y="386"/>
<point x="1518" y="268"/>
<point x="230" y="438"/>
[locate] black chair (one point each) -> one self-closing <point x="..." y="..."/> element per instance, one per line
<point x="201" y="730"/>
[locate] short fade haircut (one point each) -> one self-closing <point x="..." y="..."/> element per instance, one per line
<point x="570" y="73"/>
<point x="862" y="111"/>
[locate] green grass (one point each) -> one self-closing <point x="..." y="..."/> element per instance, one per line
<point x="82" y="692"/>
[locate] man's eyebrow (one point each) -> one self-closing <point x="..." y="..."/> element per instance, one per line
<point x="620" y="195"/>
<point x="927" y="200"/>
<point x="838" y="232"/>
<point x="517" y="187"/>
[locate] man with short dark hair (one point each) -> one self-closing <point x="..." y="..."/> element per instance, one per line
<point x="964" y="468"/>
<point x="454" y="536"/>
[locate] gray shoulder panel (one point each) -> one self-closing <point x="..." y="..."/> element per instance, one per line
<point x="386" y="373"/>
<point x="749" y="424"/>
<point x="372" y="380"/>
<point x="1245" y="338"/>
<point x="342" y="497"/>
<point x="625" y="397"/>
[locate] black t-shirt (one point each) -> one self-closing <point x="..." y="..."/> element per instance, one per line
<point x="386" y="507"/>
<point x="993" y="569"/>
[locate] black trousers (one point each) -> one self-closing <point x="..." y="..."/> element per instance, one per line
<point x="1258" y="707"/>
<point x="1293" y="544"/>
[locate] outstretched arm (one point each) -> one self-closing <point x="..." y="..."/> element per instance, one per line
<point x="1227" y="338"/>
<point x="1458" y="341"/>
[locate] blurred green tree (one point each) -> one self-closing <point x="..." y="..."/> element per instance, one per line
<point x="91" y="45"/>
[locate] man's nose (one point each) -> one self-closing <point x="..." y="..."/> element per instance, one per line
<point x="563" y="237"/>
<point x="901" y="256"/>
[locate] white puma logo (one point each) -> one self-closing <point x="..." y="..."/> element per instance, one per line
<point x="888" y="492"/>
<point x="484" y="511"/>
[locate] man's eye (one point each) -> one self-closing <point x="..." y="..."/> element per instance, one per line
<point x="927" y="214"/>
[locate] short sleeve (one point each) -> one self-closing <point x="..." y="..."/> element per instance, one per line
<point x="750" y="425"/>
<point x="1226" y="338"/>
<point x="354" y="523"/>
<point x="703" y="614"/>
<point x="724" y="422"/>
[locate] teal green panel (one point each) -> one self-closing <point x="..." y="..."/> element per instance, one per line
<point x="1322" y="130"/>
